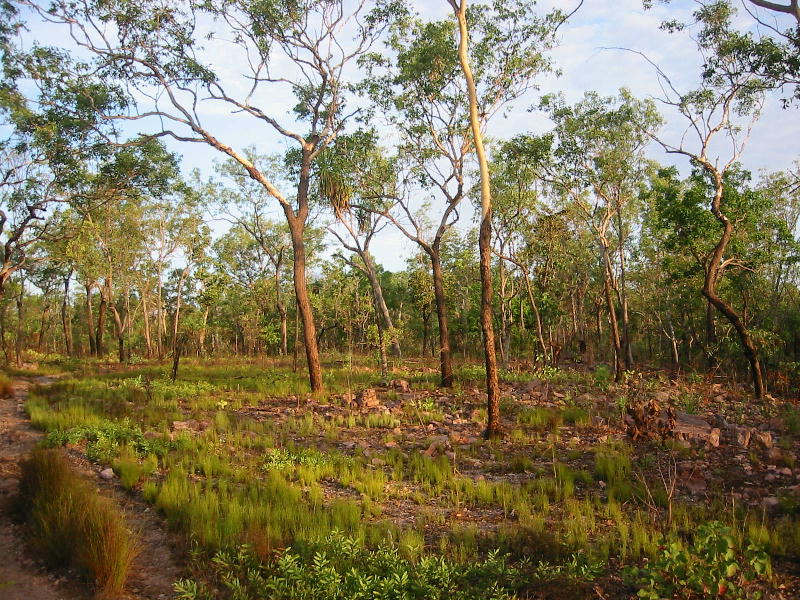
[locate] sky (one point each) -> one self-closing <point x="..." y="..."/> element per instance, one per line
<point x="588" y="59"/>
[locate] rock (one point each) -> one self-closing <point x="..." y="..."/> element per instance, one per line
<point x="9" y="486"/>
<point x="694" y="482"/>
<point x="662" y="397"/>
<point x="721" y="422"/>
<point x="378" y="462"/>
<point x="692" y="428"/>
<point x="107" y="474"/>
<point x="785" y="471"/>
<point x="776" y="424"/>
<point x="742" y="436"/>
<point x="713" y="437"/>
<point x="367" y="398"/>
<point x="348" y="399"/>
<point x="438" y="445"/>
<point x="764" y="439"/>
<point x="400" y="385"/>
<point x="774" y="456"/>
<point x="190" y="425"/>
<point x="770" y="502"/>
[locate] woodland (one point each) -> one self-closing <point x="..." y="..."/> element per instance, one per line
<point x="582" y="384"/>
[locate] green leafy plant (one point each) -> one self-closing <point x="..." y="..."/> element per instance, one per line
<point x="713" y="566"/>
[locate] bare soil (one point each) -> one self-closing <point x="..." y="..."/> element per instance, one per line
<point x="23" y="576"/>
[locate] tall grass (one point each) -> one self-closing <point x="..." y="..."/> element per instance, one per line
<point x="72" y="525"/>
<point x="6" y="386"/>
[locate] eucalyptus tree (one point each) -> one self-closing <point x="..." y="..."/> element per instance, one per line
<point x="419" y="83"/>
<point x="767" y="47"/>
<point x="358" y="180"/>
<point x="43" y="153"/>
<point x="244" y="203"/>
<point x="599" y="162"/>
<point x="303" y="48"/>
<point x="242" y="260"/>
<point x="726" y="105"/>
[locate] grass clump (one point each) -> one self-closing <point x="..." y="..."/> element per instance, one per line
<point x="539" y="418"/>
<point x="72" y="525"/>
<point x="6" y="386"/>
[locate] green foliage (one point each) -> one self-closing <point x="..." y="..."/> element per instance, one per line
<point x="712" y="566"/>
<point x="339" y="567"/>
<point x="105" y="440"/>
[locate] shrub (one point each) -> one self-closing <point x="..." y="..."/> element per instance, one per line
<point x="713" y="566"/>
<point x="339" y="567"/>
<point x="70" y="524"/>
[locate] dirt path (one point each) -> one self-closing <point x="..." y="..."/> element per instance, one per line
<point x="22" y="576"/>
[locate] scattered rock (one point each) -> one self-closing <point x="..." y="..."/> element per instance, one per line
<point x="764" y="439"/>
<point x="770" y="502"/>
<point x="190" y="425"/>
<point x="694" y="482"/>
<point x="774" y="455"/>
<point x="400" y="385"/>
<point x="713" y="437"/>
<point x="742" y="436"/>
<point x="721" y="422"/>
<point x="693" y="429"/>
<point x="107" y="474"/>
<point x="776" y="424"/>
<point x="367" y="398"/>
<point x="439" y="445"/>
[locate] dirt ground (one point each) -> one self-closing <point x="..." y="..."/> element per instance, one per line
<point x="23" y="576"/>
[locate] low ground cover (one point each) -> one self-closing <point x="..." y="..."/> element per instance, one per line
<point x="394" y="489"/>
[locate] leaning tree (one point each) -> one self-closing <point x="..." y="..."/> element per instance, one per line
<point x="298" y="52"/>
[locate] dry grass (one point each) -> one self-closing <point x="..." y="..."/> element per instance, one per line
<point x="72" y="525"/>
<point x="7" y="389"/>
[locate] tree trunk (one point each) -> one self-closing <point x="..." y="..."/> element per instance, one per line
<point x="119" y="329"/>
<point x="90" y="320"/>
<point x="425" y="315"/>
<point x="616" y="342"/>
<point x="536" y="314"/>
<point x="101" y="324"/>
<point x="711" y="337"/>
<point x="20" y="323"/>
<point x="203" y="329"/>
<point x="623" y="291"/>
<point x="66" y="320"/>
<point x="714" y="272"/>
<point x="42" y="327"/>
<point x="485" y="235"/>
<point x="297" y="224"/>
<point x="178" y="303"/>
<point x="161" y="326"/>
<point x="380" y="302"/>
<point x="146" y="316"/>
<point x="445" y="360"/>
